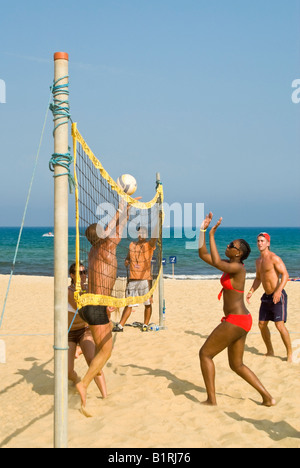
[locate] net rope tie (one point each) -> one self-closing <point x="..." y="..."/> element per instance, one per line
<point x="61" y="115"/>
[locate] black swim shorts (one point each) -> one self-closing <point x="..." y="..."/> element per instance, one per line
<point x="274" y="312"/>
<point x="94" y="315"/>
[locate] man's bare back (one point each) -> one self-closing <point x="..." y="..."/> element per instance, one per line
<point x="103" y="265"/>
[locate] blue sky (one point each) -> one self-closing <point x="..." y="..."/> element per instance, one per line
<point x="198" y="90"/>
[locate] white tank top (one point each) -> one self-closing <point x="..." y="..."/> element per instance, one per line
<point x="71" y="308"/>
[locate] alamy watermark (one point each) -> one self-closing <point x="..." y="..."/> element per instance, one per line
<point x="2" y="92"/>
<point x="296" y="93"/>
<point x="186" y="219"/>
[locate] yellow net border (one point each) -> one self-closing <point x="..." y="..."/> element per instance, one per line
<point x="84" y="299"/>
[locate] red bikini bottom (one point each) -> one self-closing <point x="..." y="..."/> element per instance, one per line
<point x="242" y="321"/>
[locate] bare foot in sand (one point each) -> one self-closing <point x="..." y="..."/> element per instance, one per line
<point x="208" y="403"/>
<point x="269" y="402"/>
<point x="289" y="358"/>
<point x="85" y="413"/>
<point x="82" y="392"/>
<point x="81" y="389"/>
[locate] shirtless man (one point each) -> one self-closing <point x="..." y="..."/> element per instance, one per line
<point x="139" y="261"/>
<point x="102" y="270"/>
<point x="102" y="273"/>
<point x="269" y="269"/>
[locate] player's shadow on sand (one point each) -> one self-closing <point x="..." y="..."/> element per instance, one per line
<point x="39" y="377"/>
<point x="41" y="381"/>
<point x="276" y="430"/>
<point x="178" y="386"/>
<point x="191" y="332"/>
<point x="249" y="349"/>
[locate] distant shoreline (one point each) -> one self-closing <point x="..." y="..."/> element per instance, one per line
<point x="166" y="277"/>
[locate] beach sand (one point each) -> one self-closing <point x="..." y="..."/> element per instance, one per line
<point x="154" y="381"/>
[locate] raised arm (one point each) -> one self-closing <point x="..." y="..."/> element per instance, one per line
<point x="154" y="235"/>
<point x="116" y="225"/>
<point x="202" y="250"/>
<point x="112" y="228"/>
<point x="217" y="262"/>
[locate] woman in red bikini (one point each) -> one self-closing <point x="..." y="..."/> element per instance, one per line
<point x="234" y="327"/>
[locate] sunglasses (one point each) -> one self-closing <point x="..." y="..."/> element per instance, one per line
<point x="82" y="272"/>
<point x="232" y="246"/>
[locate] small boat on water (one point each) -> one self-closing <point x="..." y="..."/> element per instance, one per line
<point x="48" y="234"/>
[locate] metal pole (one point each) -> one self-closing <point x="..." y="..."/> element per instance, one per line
<point x="61" y="270"/>
<point x="161" y="280"/>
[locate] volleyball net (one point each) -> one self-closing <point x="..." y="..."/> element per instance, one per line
<point x="118" y="237"/>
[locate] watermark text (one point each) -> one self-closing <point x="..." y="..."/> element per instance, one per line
<point x="2" y="92"/>
<point x="296" y="93"/>
<point x="127" y="221"/>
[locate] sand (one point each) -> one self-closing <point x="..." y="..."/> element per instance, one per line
<point x="154" y="382"/>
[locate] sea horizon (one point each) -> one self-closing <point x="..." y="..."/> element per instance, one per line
<point x="35" y="254"/>
<point x="173" y="226"/>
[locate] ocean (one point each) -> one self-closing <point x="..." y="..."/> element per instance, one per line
<point x="35" y="254"/>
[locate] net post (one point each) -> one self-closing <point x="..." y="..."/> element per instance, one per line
<point x="61" y="269"/>
<point x="161" y="280"/>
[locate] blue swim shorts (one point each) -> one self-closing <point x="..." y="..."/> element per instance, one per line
<point x="274" y="312"/>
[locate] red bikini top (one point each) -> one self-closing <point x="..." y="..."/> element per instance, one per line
<point x="226" y="283"/>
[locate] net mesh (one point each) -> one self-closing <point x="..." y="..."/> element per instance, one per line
<point x="118" y="238"/>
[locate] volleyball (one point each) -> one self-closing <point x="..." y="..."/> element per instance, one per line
<point x="127" y="183"/>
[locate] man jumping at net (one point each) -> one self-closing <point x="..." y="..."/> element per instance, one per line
<point x="102" y="272"/>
